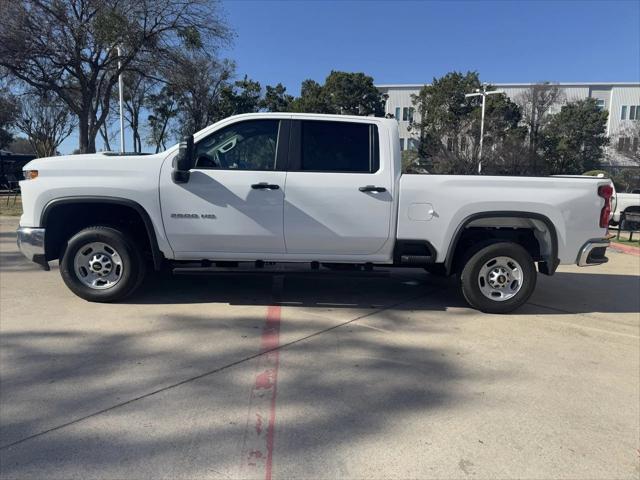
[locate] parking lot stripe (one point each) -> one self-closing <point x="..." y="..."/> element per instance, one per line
<point x="257" y="450"/>
<point x="257" y="444"/>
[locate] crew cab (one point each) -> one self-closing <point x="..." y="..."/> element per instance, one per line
<point x="324" y="190"/>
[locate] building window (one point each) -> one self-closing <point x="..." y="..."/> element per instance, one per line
<point x="634" y="112"/>
<point x="600" y="103"/>
<point x="412" y="144"/>
<point x="407" y="114"/>
<point x="402" y="144"/>
<point x="398" y="113"/>
<point x="624" y="144"/>
<point x="623" y="113"/>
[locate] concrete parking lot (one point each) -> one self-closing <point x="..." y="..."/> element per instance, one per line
<point x="284" y="376"/>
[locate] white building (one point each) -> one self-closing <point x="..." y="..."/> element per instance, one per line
<point x="621" y="99"/>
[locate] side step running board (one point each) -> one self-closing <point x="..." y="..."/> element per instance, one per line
<point x="288" y="272"/>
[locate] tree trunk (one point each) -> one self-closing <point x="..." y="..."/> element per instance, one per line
<point x="104" y="133"/>
<point x="83" y="132"/>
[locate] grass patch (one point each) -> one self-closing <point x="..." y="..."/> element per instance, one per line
<point x="624" y="237"/>
<point x="634" y="243"/>
<point x="12" y="209"/>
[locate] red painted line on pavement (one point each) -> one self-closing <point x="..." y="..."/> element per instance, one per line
<point x="272" y="338"/>
<point x="257" y="450"/>
<point x="621" y="248"/>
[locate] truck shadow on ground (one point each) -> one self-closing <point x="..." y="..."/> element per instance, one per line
<point x="564" y="293"/>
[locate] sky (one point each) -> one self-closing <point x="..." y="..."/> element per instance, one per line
<point x="415" y="41"/>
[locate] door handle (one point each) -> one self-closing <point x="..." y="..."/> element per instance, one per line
<point x="265" y="186"/>
<point x="372" y="188"/>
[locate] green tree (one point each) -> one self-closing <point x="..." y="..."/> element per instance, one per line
<point x="276" y="99"/>
<point x="574" y="139"/>
<point x="448" y="123"/>
<point x="312" y="99"/>
<point x="343" y="93"/>
<point x="353" y="94"/>
<point x="242" y="96"/>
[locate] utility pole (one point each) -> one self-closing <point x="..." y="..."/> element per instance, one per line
<point x="484" y="94"/>
<point x="120" y="90"/>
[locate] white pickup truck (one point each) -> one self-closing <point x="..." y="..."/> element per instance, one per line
<point x="320" y="189"/>
<point x="625" y="203"/>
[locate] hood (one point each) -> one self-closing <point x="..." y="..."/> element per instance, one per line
<point x="94" y="163"/>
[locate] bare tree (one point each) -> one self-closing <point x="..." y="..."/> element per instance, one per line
<point x="535" y="104"/>
<point x="197" y="83"/>
<point x="69" y="47"/>
<point x="46" y="121"/>
<point x="163" y="106"/>
<point x="136" y="92"/>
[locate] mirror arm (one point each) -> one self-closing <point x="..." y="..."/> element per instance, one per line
<point x="180" y="176"/>
<point x="183" y="162"/>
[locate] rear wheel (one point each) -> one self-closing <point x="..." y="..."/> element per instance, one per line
<point x="102" y="264"/>
<point x="499" y="278"/>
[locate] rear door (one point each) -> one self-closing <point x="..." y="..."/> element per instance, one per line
<point x="339" y="195"/>
<point x="233" y="201"/>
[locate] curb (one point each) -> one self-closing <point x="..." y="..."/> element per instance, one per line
<point x="628" y="249"/>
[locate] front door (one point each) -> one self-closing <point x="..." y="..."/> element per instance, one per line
<point x="233" y="201"/>
<point x="339" y="195"/>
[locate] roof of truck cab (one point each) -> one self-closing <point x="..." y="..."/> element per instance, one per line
<point x="290" y="115"/>
<point x="319" y="116"/>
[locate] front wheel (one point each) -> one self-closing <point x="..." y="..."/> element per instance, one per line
<point x="102" y="264"/>
<point x="499" y="278"/>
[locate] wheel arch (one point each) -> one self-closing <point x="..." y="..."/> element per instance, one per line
<point x="52" y="206"/>
<point x="546" y="237"/>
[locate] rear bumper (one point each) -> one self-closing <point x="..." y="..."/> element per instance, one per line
<point x="593" y="253"/>
<point x="31" y="244"/>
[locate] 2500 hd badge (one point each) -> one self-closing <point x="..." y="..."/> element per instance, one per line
<point x="193" y="215"/>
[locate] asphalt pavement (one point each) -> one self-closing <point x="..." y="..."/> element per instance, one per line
<point x="318" y="376"/>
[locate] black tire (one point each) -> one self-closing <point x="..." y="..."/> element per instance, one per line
<point x="469" y="278"/>
<point x="132" y="272"/>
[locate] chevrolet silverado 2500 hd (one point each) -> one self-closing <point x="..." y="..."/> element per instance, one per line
<point x="319" y="189"/>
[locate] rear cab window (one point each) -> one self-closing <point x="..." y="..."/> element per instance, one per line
<point x="340" y="147"/>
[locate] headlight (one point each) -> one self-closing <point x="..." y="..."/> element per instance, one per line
<point x="30" y="174"/>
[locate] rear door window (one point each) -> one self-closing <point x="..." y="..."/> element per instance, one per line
<point x="339" y="147"/>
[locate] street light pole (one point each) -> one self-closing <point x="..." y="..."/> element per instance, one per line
<point x="120" y="90"/>
<point x="484" y="94"/>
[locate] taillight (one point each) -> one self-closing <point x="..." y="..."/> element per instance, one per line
<point x="606" y="192"/>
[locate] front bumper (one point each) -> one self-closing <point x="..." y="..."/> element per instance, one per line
<point x="593" y="253"/>
<point x="31" y="244"/>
